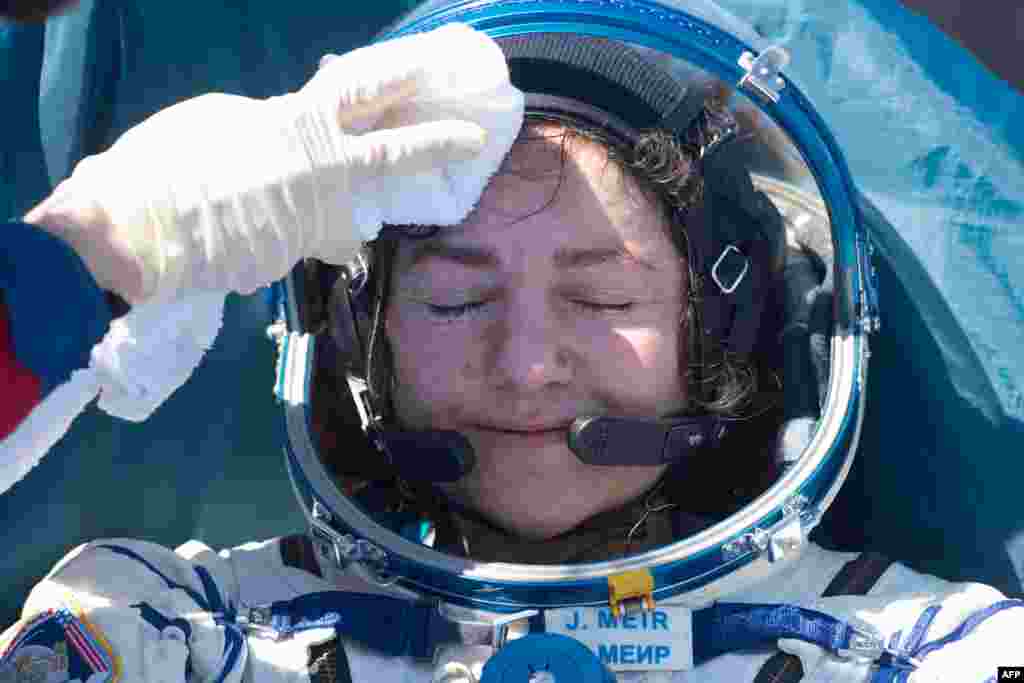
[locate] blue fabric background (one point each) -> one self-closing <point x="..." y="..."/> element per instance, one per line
<point x="929" y="136"/>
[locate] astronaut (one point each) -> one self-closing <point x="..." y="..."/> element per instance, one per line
<point x="571" y="365"/>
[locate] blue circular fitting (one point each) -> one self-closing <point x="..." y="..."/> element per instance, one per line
<point x="567" y="659"/>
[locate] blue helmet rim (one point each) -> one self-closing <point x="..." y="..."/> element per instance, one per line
<point x="697" y="566"/>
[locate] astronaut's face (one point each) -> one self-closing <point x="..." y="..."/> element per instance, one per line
<point x="561" y="295"/>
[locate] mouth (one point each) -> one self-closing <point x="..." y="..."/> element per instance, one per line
<point x="527" y="432"/>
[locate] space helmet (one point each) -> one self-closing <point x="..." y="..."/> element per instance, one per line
<point x="772" y="171"/>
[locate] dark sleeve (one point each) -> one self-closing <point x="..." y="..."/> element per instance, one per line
<point x="51" y="315"/>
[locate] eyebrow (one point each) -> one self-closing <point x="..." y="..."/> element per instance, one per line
<point x="565" y="258"/>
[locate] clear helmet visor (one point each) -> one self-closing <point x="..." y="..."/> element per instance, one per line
<point x="711" y="521"/>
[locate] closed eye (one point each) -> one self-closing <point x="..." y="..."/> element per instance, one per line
<point x="598" y="306"/>
<point x="460" y="311"/>
<point x="454" y="312"/>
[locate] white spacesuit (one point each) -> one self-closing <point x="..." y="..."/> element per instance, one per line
<point x="152" y="614"/>
<point x="407" y="572"/>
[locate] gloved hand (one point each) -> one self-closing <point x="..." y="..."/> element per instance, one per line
<point x="223" y="192"/>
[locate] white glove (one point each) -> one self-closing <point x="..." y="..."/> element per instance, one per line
<point x="223" y="192"/>
<point x="994" y="642"/>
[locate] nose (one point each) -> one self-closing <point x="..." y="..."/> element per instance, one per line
<point x="529" y="348"/>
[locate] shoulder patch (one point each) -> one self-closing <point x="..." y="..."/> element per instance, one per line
<point x="297" y="552"/>
<point x="56" y="646"/>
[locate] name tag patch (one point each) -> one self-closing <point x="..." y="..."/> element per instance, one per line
<point x="656" y="640"/>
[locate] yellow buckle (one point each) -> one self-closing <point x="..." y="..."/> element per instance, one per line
<point x="632" y="590"/>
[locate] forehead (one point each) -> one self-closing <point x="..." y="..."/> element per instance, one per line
<point x="557" y="191"/>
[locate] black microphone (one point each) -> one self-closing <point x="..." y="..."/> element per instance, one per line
<point x="439" y="456"/>
<point x="601" y="440"/>
<point x="428" y="455"/>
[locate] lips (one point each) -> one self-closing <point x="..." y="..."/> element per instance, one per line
<point x="528" y="428"/>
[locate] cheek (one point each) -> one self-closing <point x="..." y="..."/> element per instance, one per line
<point x="428" y="362"/>
<point x="645" y="377"/>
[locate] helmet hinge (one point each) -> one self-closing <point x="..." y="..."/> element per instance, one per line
<point x="345" y="550"/>
<point x="782" y="539"/>
<point x="763" y="77"/>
